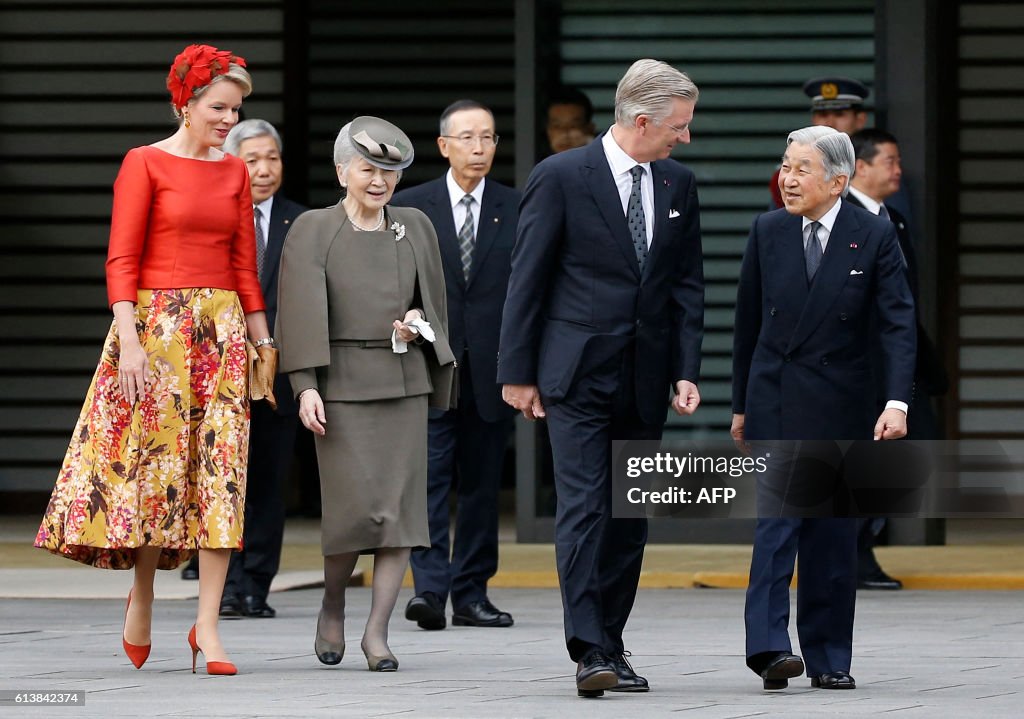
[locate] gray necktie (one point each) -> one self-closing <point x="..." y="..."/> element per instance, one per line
<point x="635" y="218"/>
<point x="812" y="253"/>
<point x="261" y="242"/>
<point x="466" y="238"/>
<point x="883" y="213"/>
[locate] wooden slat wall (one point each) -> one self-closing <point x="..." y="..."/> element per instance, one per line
<point x="406" y="61"/>
<point x="81" y="83"/>
<point x="749" y="59"/>
<point x="989" y="326"/>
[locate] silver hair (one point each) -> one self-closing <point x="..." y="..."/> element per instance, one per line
<point x="247" y="130"/>
<point x="648" y="88"/>
<point x="836" y="150"/>
<point x="345" y="151"/>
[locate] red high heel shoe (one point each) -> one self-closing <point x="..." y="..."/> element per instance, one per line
<point x="221" y="668"/>
<point x="137" y="653"/>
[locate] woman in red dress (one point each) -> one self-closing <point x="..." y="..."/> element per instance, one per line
<point x="156" y="467"/>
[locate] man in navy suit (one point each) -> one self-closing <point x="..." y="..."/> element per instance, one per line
<point x="878" y="178"/>
<point x="475" y="219"/>
<point x="604" y="319"/>
<point x="821" y="283"/>
<point x="272" y="432"/>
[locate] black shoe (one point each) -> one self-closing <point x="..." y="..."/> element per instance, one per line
<point x="594" y="674"/>
<point x="427" y="610"/>
<point x="781" y="669"/>
<point x="629" y="680"/>
<point x="878" y="580"/>
<point x="481" y="614"/>
<point x="257" y="607"/>
<point x="231" y="607"/>
<point x="834" y="680"/>
<point x="190" y="571"/>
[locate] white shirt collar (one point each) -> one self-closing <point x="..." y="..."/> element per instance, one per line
<point x="265" y="207"/>
<point x="871" y="205"/>
<point x="828" y="219"/>
<point x="620" y="162"/>
<point x="456" y="193"/>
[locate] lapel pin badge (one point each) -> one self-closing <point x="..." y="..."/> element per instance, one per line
<point x="853" y="245"/>
<point x="666" y="182"/>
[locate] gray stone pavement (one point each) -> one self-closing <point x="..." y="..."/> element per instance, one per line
<point x="917" y="654"/>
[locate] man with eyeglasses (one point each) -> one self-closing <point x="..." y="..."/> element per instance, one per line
<point x="604" y="317"/>
<point x="475" y="219"/>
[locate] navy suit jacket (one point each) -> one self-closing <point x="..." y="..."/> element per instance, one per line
<point x="802" y="364"/>
<point x="929" y="373"/>
<point x="474" y="306"/>
<point x="282" y="214"/>
<point x="576" y="295"/>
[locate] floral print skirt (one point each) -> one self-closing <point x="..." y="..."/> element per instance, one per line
<point x="170" y="471"/>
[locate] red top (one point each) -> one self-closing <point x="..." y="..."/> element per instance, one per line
<point x="180" y="222"/>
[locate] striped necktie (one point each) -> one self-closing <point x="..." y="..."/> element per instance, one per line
<point x="466" y="237"/>
<point x="261" y="241"/>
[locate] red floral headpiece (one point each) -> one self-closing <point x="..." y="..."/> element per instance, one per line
<point x="195" y="67"/>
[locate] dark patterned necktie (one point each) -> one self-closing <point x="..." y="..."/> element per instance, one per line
<point x="812" y="253"/>
<point x="466" y="238"/>
<point x="261" y="242"/>
<point x="635" y="218"/>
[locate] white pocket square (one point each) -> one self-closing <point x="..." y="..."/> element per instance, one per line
<point x="673" y="213"/>
<point x="856" y="272"/>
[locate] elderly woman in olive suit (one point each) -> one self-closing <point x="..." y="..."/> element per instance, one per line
<point x="363" y="332"/>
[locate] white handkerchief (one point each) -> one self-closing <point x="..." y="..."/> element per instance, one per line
<point x="422" y="326"/>
<point x="856" y="272"/>
<point x="673" y="213"/>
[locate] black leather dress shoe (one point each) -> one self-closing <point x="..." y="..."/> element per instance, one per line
<point x="629" y="680"/>
<point x="427" y="611"/>
<point x="594" y="674"/>
<point x="834" y="680"/>
<point x="258" y="608"/>
<point x="878" y="580"/>
<point x="190" y="571"/>
<point x="781" y="669"/>
<point x="231" y="607"/>
<point x="481" y="614"/>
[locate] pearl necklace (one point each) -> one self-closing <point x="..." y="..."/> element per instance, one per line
<point x="375" y="228"/>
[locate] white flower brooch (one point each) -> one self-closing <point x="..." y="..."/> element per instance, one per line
<point x="399" y="231"/>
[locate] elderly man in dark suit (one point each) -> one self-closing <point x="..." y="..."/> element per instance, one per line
<point x="272" y="432"/>
<point x="475" y="219"/>
<point x="604" y="317"/>
<point x="821" y="282"/>
<point x="877" y="178"/>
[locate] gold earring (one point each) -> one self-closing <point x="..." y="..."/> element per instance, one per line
<point x="187" y="123"/>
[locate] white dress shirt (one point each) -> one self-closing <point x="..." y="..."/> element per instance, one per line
<point x="871" y="205"/>
<point x="455" y="195"/>
<point x="620" y="164"/>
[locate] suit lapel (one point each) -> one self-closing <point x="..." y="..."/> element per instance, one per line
<point x="487" y="230"/>
<point x="662" y="198"/>
<point x="279" y="227"/>
<point x="440" y="213"/>
<point x="598" y="178"/>
<point x="833" y="273"/>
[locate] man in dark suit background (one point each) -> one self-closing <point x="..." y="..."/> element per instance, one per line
<point x="821" y="283"/>
<point x="475" y="219"/>
<point x="272" y="432"/>
<point x="604" y="316"/>
<point x="877" y="178"/>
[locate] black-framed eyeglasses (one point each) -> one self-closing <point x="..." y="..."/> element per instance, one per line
<point x="470" y="140"/>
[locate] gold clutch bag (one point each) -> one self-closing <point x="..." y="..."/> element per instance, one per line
<point x="262" y="369"/>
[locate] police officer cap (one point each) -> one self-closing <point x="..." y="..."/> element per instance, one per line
<point x="835" y="93"/>
<point x="380" y="143"/>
